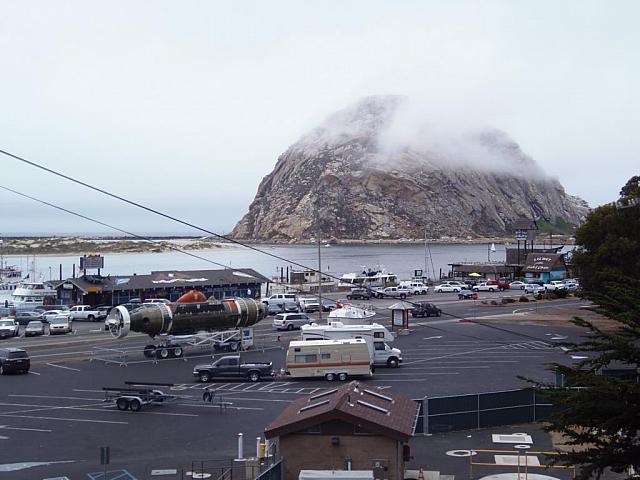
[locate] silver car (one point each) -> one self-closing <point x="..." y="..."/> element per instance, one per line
<point x="34" y="328"/>
<point x="59" y="324"/>
<point x="289" y="321"/>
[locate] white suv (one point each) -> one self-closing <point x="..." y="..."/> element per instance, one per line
<point x="414" y="288"/>
<point x="289" y="321"/>
<point x="281" y="298"/>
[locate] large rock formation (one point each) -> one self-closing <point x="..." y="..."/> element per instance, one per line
<point x="378" y="170"/>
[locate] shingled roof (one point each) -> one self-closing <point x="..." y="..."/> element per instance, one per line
<point x="375" y="410"/>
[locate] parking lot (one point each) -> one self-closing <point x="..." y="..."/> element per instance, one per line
<point x="58" y="410"/>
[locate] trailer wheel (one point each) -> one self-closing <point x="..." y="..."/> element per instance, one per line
<point x="342" y="377"/>
<point x="149" y="351"/>
<point x="135" y="405"/>
<point x="233" y="346"/>
<point x="162" y="353"/>
<point x="393" y="363"/>
<point x="178" y="352"/>
<point x="122" y="404"/>
<point x="204" y="377"/>
<point x="254" y="376"/>
<point x="206" y="397"/>
<point x="330" y="377"/>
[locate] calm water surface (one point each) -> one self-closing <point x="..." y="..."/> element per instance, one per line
<point x="336" y="259"/>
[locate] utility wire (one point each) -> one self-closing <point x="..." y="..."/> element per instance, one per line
<point x="183" y="222"/>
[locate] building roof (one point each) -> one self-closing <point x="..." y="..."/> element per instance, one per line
<point x="542" y="262"/>
<point x="378" y="411"/>
<point x="524" y="224"/>
<point x="167" y="278"/>
<point x="512" y="254"/>
<point x="497" y="268"/>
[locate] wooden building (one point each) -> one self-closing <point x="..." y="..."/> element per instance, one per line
<point x="169" y="284"/>
<point x="352" y="427"/>
<point x="544" y="267"/>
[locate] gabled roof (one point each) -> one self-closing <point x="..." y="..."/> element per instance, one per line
<point x="542" y="262"/>
<point x="168" y="278"/>
<point x="378" y="411"/>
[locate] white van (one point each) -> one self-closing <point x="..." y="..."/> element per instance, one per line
<point x="375" y="335"/>
<point x="280" y="298"/>
<point x="413" y="288"/>
<point x="331" y="359"/>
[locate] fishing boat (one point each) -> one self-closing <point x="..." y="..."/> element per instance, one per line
<point x="10" y="278"/>
<point x="29" y="294"/>
<point x="369" y="278"/>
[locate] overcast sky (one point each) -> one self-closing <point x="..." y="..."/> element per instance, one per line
<point x="185" y="105"/>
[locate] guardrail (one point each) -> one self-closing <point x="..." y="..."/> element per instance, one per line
<point x="522" y="462"/>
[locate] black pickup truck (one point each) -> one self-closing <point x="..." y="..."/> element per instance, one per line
<point x="229" y="366"/>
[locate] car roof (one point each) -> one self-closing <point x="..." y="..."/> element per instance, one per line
<point x="13" y="349"/>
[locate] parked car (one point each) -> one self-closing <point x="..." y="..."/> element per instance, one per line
<point x="14" y="360"/>
<point x="359" y="294"/>
<point x="466" y="294"/>
<point x="533" y="288"/>
<point x="59" y="324"/>
<point x="289" y="321"/>
<point x="45" y="308"/>
<point x="504" y="283"/>
<point x="230" y="366"/>
<point x="309" y="305"/>
<point x="9" y="328"/>
<point x="23" y="317"/>
<point x="158" y="300"/>
<point x="273" y="309"/>
<point x="488" y="286"/>
<point x="554" y="285"/>
<point x="425" y="309"/>
<point x="328" y="305"/>
<point x="34" y="328"/>
<point x="517" y="285"/>
<point x="290" y="307"/>
<point x="448" y="287"/>
<point x="415" y="288"/>
<point x="85" y="312"/>
<point x="49" y="314"/>
<point x="281" y="298"/>
<point x="390" y="292"/>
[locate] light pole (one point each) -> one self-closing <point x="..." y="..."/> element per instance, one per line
<point x="49" y="273"/>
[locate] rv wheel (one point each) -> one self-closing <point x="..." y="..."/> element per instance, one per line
<point x="342" y="377"/>
<point x="330" y="377"/>
<point x="392" y="363"/>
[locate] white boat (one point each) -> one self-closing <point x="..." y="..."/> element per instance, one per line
<point x="369" y="278"/>
<point x="351" y="315"/>
<point x="10" y="278"/>
<point x="32" y="294"/>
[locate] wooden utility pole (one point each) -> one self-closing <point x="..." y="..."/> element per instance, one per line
<point x="319" y="283"/>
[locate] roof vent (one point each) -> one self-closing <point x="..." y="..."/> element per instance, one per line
<point x="374" y="407"/>
<point x="320" y="395"/>
<point x="313" y="405"/>
<point x="379" y="395"/>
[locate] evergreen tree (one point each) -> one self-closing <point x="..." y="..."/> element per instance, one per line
<point x="602" y="420"/>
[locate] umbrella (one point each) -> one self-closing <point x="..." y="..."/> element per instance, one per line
<point x="474" y="274"/>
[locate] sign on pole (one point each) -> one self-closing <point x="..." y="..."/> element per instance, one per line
<point x="104" y="455"/>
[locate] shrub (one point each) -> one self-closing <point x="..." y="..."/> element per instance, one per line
<point x="523" y="299"/>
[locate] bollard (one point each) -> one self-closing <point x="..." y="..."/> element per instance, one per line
<point x="240" y="453"/>
<point x="258" y="447"/>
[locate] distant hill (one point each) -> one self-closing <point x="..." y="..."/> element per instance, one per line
<point x="375" y="170"/>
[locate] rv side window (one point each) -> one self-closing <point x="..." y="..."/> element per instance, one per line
<point x="306" y="358"/>
<point x="378" y="345"/>
<point x="325" y="356"/>
<point x="378" y="334"/>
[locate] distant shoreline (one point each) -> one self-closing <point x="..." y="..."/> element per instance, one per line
<point x="59" y="245"/>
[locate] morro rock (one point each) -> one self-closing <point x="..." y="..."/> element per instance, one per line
<point x="378" y="170"/>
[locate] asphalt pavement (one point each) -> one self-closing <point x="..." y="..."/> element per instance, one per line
<point x="54" y="420"/>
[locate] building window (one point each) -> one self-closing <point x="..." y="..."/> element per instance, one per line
<point x="312" y="429"/>
<point x="306" y="358"/>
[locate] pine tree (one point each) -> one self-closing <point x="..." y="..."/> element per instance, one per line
<point x="601" y="421"/>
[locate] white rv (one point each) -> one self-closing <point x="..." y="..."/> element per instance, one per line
<point x="331" y="359"/>
<point x="375" y="335"/>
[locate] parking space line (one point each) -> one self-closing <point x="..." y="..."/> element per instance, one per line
<point x="63" y="419"/>
<point x="51" y="396"/>
<point x="62" y="366"/>
<point x="251" y="385"/>
<point x="40" y="408"/>
<point x="6" y="427"/>
<point x="34" y="373"/>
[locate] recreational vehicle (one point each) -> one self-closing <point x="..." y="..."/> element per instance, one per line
<point x="375" y="335"/>
<point x="331" y="359"/>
